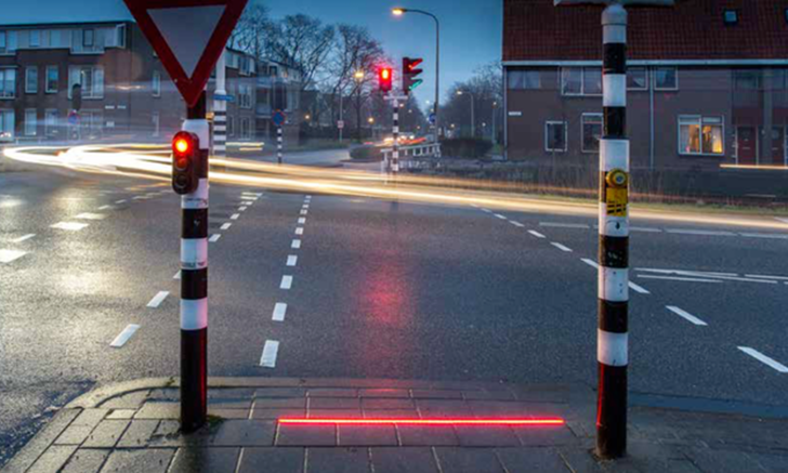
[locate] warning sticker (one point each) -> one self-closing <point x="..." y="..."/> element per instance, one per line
<point x="617" y="200"/>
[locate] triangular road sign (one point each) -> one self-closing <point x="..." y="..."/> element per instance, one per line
<point x="188" y="36"/>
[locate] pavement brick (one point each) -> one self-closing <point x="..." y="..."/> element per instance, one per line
<point x="152" y="460"/>
<point x="280" y="392"/>
<point x="306" y="435"/>
<point x="391" y="414"/>
<point x="335" y="413"/>
<point x="337" y="460"/>
<point x="227" y="403"/>
<point x="385" y="403"/>
<point x="435" y="394"/>
<point x="28" y="455"/>
<point x="205" y="460"/>
<point x="106" y="434"/>
<point x="228" y="413"/>
<point x="468" y="460"/>
<point x="74" y="435"/>
<point x="280" y="402"/>
<point x="120" y="414"/>
<point x="53" y="459"/>
<point x="159" y="410"/>
<point x="532" y="460"/>
<point x="443" y="409"/>
<point x="502" y="395"/>
<point x="384" y="393"/>
<point x="138" y="433"/>
<point x="284" y="460"/>
<point x="332" y="392"/>
<point x="721" y="461"/>
<point x="269" y="414"/>
<point x="579" y="459"/>
<point x="545" y="435"/>
<point x="132" y="400"/>
<point x="486" y="436"/>
<point x="434" y="435"/>
<point x="244" y="433"/>
<point x="334" y="403"/>
<point x="404" y="460"/>
<point x="86" y="461"/>
<point x="164" y="395"/>
<point x="231" y="393"/>
<point x="367" y="435"/>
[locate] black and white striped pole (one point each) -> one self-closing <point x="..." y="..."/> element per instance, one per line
<point x="220" y="110"/>
<point x="394" y="166"/>
<point x="279" y="144"/>
<point x="190" y="180"/>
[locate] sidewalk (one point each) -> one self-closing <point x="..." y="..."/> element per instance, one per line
<point x="133" y="427"/>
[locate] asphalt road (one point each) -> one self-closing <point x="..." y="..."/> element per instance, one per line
<point x="378" y="289"/>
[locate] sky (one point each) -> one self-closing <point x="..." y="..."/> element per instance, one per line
<point x="470" y="29"/>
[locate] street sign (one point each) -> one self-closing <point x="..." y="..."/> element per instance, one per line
<point x="341" y="124"/>
<point x="432" y="118"/>
<point x="73" y="117"/>
<point x="188" y="36"/>
<point x="279" y="118"/>
<point x="224" y="98"/>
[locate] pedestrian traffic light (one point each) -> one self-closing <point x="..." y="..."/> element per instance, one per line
<point x="410" y="74"/>
<point x="185" y="162"/>
<point x="385" y="79"/>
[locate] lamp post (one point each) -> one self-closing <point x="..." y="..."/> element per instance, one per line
<point x="473" y="111"/>
<point x="401" y="11"/>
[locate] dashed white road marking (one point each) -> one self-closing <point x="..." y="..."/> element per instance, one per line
<point x="502" y="217"/>
<point x="121" y="201"/>
<point x="305" y="206"/>
<point x="158" y="299"/>
<point x="256" y="194"/>
<point x="561" y="247"/>
<point x="105" y="207"/>
<point x="270" y="350"/>
<point x="287" y="282"/>
<point x="679" y="278"/>
<point x="226" y="226"/>
<point x="242" y="208"/>
<point x="304" y="211"/>
<point x="124" y="336"/>
<point x="91" y="216"/>
<point x="536" y="234"/>
<point x="23" y="238"/>
<point x="299" y="231"/>
<point x="781" y="368"/>
<point x="215" y="237"/>
<point x="758" y="276"/>
<point x="686" y="315"/>
<point x="590" y="262"/>
<point x="645" y="229"/>
<point x="235" y="216"/>
<point x="247" y="203"/>
<point x="774" y="236"/>
<point x="564" y="225"/>
<point x="474" y="206"/>
<point x="296" y="244"/>
<point x="6" y="256"/>
<point x="70" y="226"/>
<point x="139" y="197"/>
<point x="301" y="221"/>
<point x="638" y="289"/>
<point x="682" y="231"/>
<point x="177" y="275"/>
<point x="486" y="210"/>
<point x="280" y="309"/>
<point x="707" y="275"/>
<point x="516" y="224"/>
<point x="292" y="260"/>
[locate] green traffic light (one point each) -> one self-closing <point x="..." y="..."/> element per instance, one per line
<point x="415" y="84"/>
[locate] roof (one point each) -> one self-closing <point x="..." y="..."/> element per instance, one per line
<point x="535" y="30"/>
<point x="34" y="26"/>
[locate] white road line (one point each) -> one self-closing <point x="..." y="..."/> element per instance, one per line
<point x="565" y="225"/>
<point x="486" y="210"/>
<point x="686" y="315"/>
<point x="215" y="237"/>
<point x="638" y="289"/>
<point x="280" y="309"/>
<point x="645" y="229"/>
<point x="765" y="359"/>
<point x="305" y="206"/>
<point x="299" y="231"/>
<point x="6" y="256"/>
<point x="91" y="216"/>
<point x="758" y="276"/>
<point x="561" y="247"/>
<point x="256" y="194"/>
<point x="226" y="226"/>
<point x="105" y="207"/>
<point x="71" y="226"/>
<point x="678" y="278"/>
<point x="301" y="221"/>
<point x="501" y="217"/>
<point x="292" y="260"/>
<point x="235" y="216"/>
<point x="124" y="336"/>
<point x="474" y="206"/>
<point x="774" y="236"/>
<point x="138" y="197"/>
<point x="247" y="203"/>
<point x="781" y="219"/>
<point x="242" y="208"/>
<point x="121" y="201"/>
<point x="158" y="299"/>
<point x="682" y="231"/>
<point x="23" y="238"/>
<point x="516" y="224"/>
<point x="683" y="272"/>
<point x="271" y="348"/>
<point x="536" y="234"/>
<point x="296" y="244"/>
<point x="177" y="275"/>
<point x="287" y="282"/>
<point x="590" y="262"/>
<point x="304" y="211"/>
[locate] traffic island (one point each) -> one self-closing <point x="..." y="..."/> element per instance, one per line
<point x="324" y="425"/>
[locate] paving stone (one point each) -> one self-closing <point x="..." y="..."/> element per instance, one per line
<point x="226" y="403"/>
<point x="86" y="461"/>
<point x="532" y="460"/>
<point x="205" y="460"/>
<point x="579" y="459"/>
<point x="245" y="433"/>
<point x="278" y="413"/>
<point x="443" y="409"/>
<point x="35" y="447"/>
<point x="468" y="460"/>
<point x="544" y="435"/>
<point x="391" y="414"/>
<point x="106" y="434"/>
<point x="382" y="403"/>
<point x="331" y="392"/>
<point x="404" y="460"/>
<point x="280" y="392"/>
<point x="228" y="413"/>
<point x="121" y="414"/>
<point x="486" y="436"/>
<point x="74" y="435"/>
<point x="132" y="400"/>
<point x="335" y="413"/>
<point x="306" y="435"/>
<point x="138" y="434"/>
<point x="433" y="435"/>
<point x="503" y="395"/>
<point x="487" y="408"/>
<point x="384" y="393"/>
<point x="165" y="395"/>
<point x="231" y="393"/>
<point x="280" y="402"/>
<point x="53" y="459"/>
<point x="721" y="461"/>
<point x="159" y="410"/>
<point x="367" y="435"/>
<point x="279" y="460"/>
<point x="152" y="460"/>
<point x="337" y="460"/>
<point x="435" y="394"/>
<point x="334" y="403"/>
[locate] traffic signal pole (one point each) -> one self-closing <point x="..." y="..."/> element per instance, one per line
<point x="194" y="280"/>
<point x="394" y="167"/>
<point x="220" y="110"/>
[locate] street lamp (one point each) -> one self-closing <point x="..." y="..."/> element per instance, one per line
<point x="399" y="11"/>
<point x="473" y="111"/>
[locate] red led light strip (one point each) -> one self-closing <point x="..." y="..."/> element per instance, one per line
<point x="515" y="422"/>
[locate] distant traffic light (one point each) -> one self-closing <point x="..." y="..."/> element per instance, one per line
<point x="385" y="79"/>
<point x="185" y="162"/>
<point x="410" y="74"/>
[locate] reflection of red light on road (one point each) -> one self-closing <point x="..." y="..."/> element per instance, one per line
<point x="481" y="422"/>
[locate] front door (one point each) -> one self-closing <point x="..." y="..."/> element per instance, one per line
<point x="778" y="146"/>
<point x="747" y="144"/>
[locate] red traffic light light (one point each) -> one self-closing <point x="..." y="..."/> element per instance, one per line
<point x="385" y="78"/>
<point x="185" y="154"/>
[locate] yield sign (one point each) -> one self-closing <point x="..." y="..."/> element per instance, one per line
<point x="188" y="36"/>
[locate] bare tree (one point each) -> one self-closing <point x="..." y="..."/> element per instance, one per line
<point x="301" y="42"/>
<point x="249" y="34"/>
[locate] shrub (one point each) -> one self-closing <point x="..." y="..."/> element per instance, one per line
<point x="366" y="153"/>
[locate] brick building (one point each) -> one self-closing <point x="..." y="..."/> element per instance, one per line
<point x="707" y="81"/>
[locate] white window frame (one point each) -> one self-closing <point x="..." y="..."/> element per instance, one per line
<point x="3" y="125"/>
<point x="583" y="130"/>
<point x="8" y="95"/>
<point x="156" y="83"/>
<point x="701" y="121"/>
<point x="28" y="70"/>
<point x="31" y="127"/>
<point x="96" y="91"/>
<point x="547" y="125"/>
<point x="46" y="79"/>
<point x="583" y="92"/>
<point x="665" y="89"/>
<point x="645" y="73"/>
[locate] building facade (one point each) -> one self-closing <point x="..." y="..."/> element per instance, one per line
<point x="707" y="83"/>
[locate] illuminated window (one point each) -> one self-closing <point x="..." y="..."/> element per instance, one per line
<point x="592" y="132"/>
<point x="730" y="17"/>
<point x="701" y="135"/>
<point x="555" y="137"/>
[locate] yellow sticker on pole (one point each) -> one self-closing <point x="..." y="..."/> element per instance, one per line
<point x="617" y="200"/>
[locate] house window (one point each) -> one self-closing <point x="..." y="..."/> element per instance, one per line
<point x="524" y="80"/>
<point x="666" y="78"/>
<point x="230" y="126"/>
<point x="730" y="17"/>
<point x="88" y="38"/>
<point x="592" y="81"/>
<point x="52" y="79"/>
<point x="30" y="122"/>
<point x="6" y="125"/>
<point x="747" y="79"/>
<point x="35" y="38"/>
<point x="91" y="80"/>
<point x="592" y="132"/>
<point x="156" y="84"/>
<point x="245" y="132"/>
<point x="555" y="137"/>
<point x="31" y="80"/>
<point x="51" y="116"/>
<point x="637" y="78"/>
<point x="581" y="81"/>
<point x="156" y="123"/>
<point x="701" y="135"/>
<point x="2" y="41"/>
<point x="7" y="83"/>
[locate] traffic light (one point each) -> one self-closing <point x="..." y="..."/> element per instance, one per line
<point x="385" y="79"/>
<point x="410" y="74"/>
<point x="185" y="162"/>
